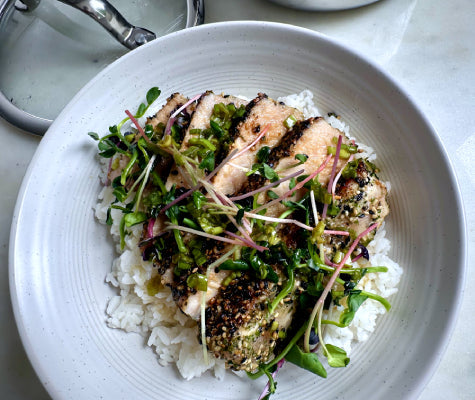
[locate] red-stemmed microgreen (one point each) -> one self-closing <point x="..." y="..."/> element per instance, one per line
<point x="332" y="175"/>
<point x="138" y="126"/>
<point x="319" y="304"/>
<point x="314" y="207"/>
<point x="270" y="386"/>
<point x="297" y="186"/>
<point x="338" y="233"/>
<point x="278" y="220"/>
<point x="171" y="120"/>
<point x="266" y="187"/>
<point x="253" y="143"/>
<point x="206" y="235"/>
<point x="245" y="223"/>
<point x="199" y="184"/>
<point x="219" y="200"/>
<point x="248" y="242"/>
<point x="150" y="225"/>
<point x="338" y="175"/>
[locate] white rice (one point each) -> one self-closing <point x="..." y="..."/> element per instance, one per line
<point x="174" y="336"/>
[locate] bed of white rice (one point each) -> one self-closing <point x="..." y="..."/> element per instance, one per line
<point x="174" y="336"/>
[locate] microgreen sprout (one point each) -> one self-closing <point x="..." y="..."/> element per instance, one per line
<point x="253" y="143"/>
<point x="266" y="187"/>
<point x="171" y="120"/>
<point x="330" y="182"/>
<point x="338" y="175"/>
<point x="319" y="304"/>
<point x="297" y="187"/>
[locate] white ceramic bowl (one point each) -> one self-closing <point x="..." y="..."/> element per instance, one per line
<point x="60" y="254"/>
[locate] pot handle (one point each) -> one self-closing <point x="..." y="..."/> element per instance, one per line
<point x="107" y="15"/>
<point x="21" y="119"/>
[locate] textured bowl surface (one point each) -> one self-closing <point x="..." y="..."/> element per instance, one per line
<point x="60" y="255"/>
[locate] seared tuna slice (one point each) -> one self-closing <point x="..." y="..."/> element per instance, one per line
<point x="239" y="328"/>
<point x="261" y="113"/>
<point x="200" y="119"/>
<point x="312" y="138"/>
<point x="174" y="102"/>
<point x="362" y="200"/>
<point x="158" y="122"/>
<point x="189" y="299"/>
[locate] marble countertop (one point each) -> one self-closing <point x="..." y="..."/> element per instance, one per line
<point x="428" y="46"/>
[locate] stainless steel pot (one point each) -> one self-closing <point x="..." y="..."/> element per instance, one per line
<point x="109" y="18"/>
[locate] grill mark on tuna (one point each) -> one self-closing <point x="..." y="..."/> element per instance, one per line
<point x="173" y="103"/>
<point x="234" y="130"/>
<point x="254" y="182"/>
<point x="291" y="235"/>
<point x="284" y="148"/>
<point x="312" y="138"/>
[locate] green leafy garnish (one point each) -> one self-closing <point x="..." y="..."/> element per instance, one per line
<point x="354" y="301"/>
<point x="290" y="121"/>
<point x="198" y="200"/>
<point x="134" y="218"/>
<point x="336" y="357"/>
<point x="94" y="135"/>
<point x="308" y="361"/>
<point x="198" y="282"/>
<point x="152" y="95"/>
<point x="302" y="158"/>
<point x="234" y="265"/>
<point x="208" y="162"/>
<point x="263" y="154"/>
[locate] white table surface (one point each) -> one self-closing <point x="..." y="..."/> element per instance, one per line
<point x="429" y="48"/>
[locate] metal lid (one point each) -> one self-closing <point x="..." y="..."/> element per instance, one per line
<point x="49" y="50"/>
